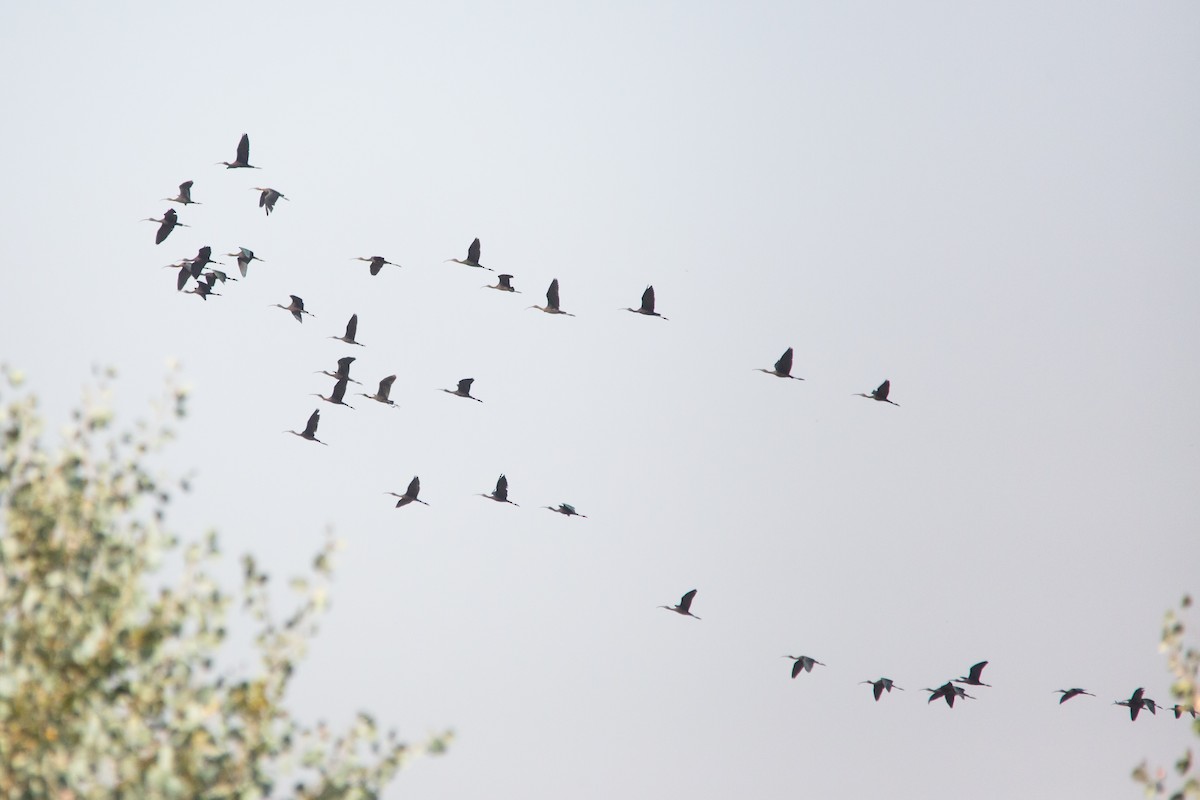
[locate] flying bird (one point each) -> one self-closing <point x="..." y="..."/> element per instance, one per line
<point x="1136" y="702"/>
<point x="185" y="195"/>
<point x="244" y="256"/>
<point x="783" y="367"/>
<point x="647" y="307"/>
<point x="684" y="608"/>
<point x="168" y="223"/>
<point x="268" y="198"/>
<point x="464" y="390"/>
<point x="972" y="678"/>
<point x="472" y="257"/>
<point x="351" y="329"/>
<point x="242" y="160"/>
<point x="343" y="370"/>
<point x="1181" y="710"/>
<point x="385" y="388"/>
<point x="551" y="306"/>
<point x="296" y="308"/>
<point x="803" y="664"/>
<point x="503" y="283"/>
<point x="310" y="430"/>
<point x="410" y="494"/>
<point x="501" y="493"/>
<point x="377" y="263"/>
<point x="566" y="509"/>
<point x="949" y="692"/>
<point x="335" y="397"/>
<point x="882" y="685"/>
<point x="880" y="393"/>
<point x="204" y="288"/>
<point x="1067" y="694"/>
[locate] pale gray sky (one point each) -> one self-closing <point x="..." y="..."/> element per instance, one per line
<point x="993" y="205"/>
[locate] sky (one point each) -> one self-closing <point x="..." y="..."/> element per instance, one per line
<point x="992" y="205"/>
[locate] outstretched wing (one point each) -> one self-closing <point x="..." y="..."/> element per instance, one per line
<point x="339" y="389"/>
<point x="352" y="327"/>
<point x="552" y="294"/>
<point x="311" y="428"/>
<point x="648" y="300"/>
<point x="473" y="252"/>
<point x="685" y="602"/>
<point x="414" y="488"/>
<point x="297" y="302"/>
<point x="882" y="393"/>
<point x="385" y="386"/>
<point x="505" y="281"/>
<point x="784" y="364"/>
<point x="344" y="365"/>
<point x="185" y="190"/>
<point x="243" y="149"/>
<point x="502" y="488"/>
<point x="464" y="385"/>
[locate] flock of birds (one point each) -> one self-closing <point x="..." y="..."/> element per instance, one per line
<point x="205" y="276"/>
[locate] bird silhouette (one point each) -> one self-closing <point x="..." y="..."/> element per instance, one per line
<point x="551" y="306"/>
<point x="185" y="195"/>
<point x="310" y="430"/>
<point x="503" y="283"/>
<point x="464" y="390"/>
<point x="410" y="494"/>
<point x="343" y="370"/>
<point x="948" y="692"/>
<point x="972" y="678"/>
<point x="296" y="308"/>
<point x="244" y="256"/>
<point x="684" y="608"/>
<point x="803" y="664"/>
<point x="1136" y="702"/>
<point x="882" y="685"/>
<point x="268" y="197"/>
<point x="351" y="329"/>
<point x="385" y="388"/>
<point x="377" y="263"/>
<point x="168" y="223"/>
<point x="472" y="257"/>
<point x="1067" y="694"/>
<point x="566" y="509"/>
<point x="880" y="393"/>
<point x="500" y="495"/>
<point x="783" y="367"/>
<point x="1181" y="710"/>
<point x="242" y="160"/>
<point x="647" y="307"/>
<point x="335" y="397"/>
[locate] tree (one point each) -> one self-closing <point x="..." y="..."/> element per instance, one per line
<point x="1183" y="661"/>
<point x="109" y="687"/>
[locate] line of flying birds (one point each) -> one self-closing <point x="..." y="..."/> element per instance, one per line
<point x="200" y="270"/>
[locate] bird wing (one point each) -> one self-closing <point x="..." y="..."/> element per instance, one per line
<point x="977" y="671"/>
<point x="339" y="389"/>
<point x="414" y="488"/>
<point x="648" y="299"/>
<point x="262" y="198"/>
<point x="352" y="327"/>
<point x="877" y="687"/>
<point x="784" y="364"/>
<point x="185" y="190"/>
<point x="505" y="281"/>
<point x="882" y="393"/>
<point x="502" y="488"/>
<point x="344" y="365"/>
<point x="798" y="667"/>
<point x="204" y="254"/>
<point x="473" y="252"/>
<point x="311" y="428"/>
<point x="385" y="386"/>
<point x="685" y="602"/>
<point x="552" y="294"/>
<point x="297" y="302"/>
<point x="464" y="385"/>
<point x="243" y="149"/>
<point x="181" y="281"/>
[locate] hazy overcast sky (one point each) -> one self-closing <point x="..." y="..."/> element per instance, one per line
<point x="994" y="205"/>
